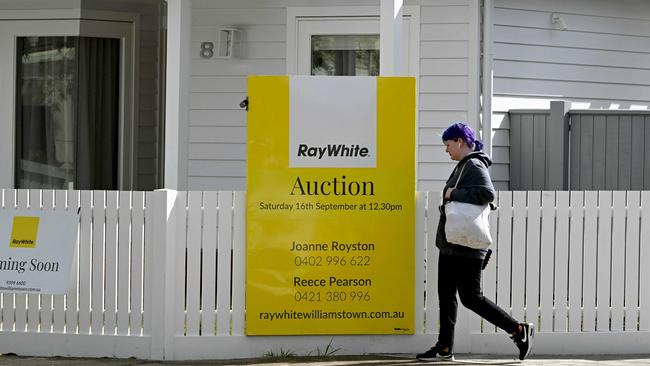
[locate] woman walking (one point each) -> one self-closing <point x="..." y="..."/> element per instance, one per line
<point x="459" y="267"/>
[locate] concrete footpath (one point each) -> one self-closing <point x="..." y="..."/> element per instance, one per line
<point x="369" y="360"/>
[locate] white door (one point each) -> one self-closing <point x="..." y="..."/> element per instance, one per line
<point x="66" y="104"/>
<point x="348" y="46"/>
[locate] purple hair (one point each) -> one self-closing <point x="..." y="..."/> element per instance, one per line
<point x="459" y="130"/>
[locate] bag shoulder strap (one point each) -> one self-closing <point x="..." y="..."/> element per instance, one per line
<point x="461" y="171"/>
<point x="460" y="174"/>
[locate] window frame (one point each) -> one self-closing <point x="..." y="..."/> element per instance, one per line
<point x="14" y="24"/>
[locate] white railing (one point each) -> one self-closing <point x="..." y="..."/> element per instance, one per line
<point x="162" y="275"/>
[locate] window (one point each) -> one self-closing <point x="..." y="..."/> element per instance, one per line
<point x="66" y="103"/>
<point x="351" y="55"/>
<point x="67" y="112"/>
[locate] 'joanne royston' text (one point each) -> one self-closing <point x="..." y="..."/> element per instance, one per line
<point x="334" y="246"/>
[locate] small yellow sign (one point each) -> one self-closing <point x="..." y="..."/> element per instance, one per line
<point x="24" y="232"/>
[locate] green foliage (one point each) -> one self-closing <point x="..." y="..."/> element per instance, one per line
<point x="282" y="353"/>
<point x="328" y="351"/>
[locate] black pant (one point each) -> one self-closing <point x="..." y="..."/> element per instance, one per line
<point x="462" y="274"/>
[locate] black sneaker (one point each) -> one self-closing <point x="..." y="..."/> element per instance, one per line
<point x="524" y="339"/>
<point x="434" y="354"/>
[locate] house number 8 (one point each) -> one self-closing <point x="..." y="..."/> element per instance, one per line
<point x="207" y="49"/>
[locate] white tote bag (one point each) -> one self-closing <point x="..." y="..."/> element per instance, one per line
<point x="467" y="224"/>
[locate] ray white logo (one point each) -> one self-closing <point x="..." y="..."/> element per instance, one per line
<point x="339" y="150"/>
<point x="332" y="122"/>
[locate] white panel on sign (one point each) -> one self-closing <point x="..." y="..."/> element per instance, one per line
<point x="332" y="122"/>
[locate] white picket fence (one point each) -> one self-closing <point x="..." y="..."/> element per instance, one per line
<point x="161" y="275"/>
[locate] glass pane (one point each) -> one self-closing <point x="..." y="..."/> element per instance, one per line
<point x="45" y="112"/>
<point x="349" y="55"/>
<point x="67" y="112"/>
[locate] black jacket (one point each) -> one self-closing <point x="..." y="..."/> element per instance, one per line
<point x="475" y="186"/>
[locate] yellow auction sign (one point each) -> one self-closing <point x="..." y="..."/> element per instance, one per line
<point x="330" y="205"/>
